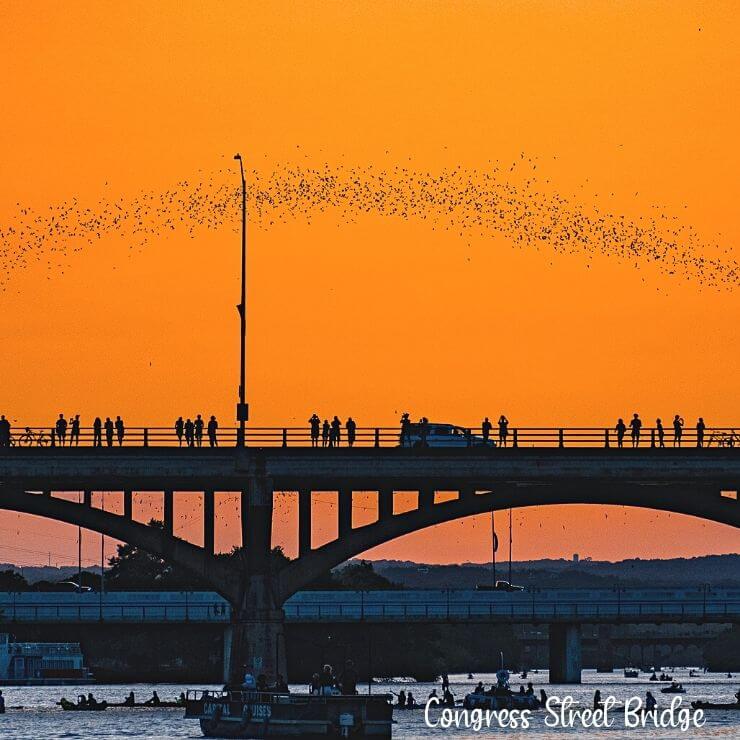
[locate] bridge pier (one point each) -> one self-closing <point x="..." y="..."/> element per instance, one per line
<point x="426" y="498"/>
<point x="565" y="653"/>
<point x="345" y="511"/>
<point x="258" y="643"/>
<point x="128" y="505"/>
<point x="385" y="504"/>
<point x="605" y="660"/>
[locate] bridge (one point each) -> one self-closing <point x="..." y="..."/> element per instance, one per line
<point x="452" y="606"/>
<point x="555" y="467"/>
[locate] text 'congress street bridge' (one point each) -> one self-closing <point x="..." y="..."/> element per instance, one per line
<point x="449" y="483"/>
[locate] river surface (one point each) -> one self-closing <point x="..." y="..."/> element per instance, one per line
<point x="41" y="719"/>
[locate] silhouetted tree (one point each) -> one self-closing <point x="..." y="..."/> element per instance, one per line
<point x="11" y="580"/>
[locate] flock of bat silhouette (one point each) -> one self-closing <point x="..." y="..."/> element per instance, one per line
<point x="509" y="201"/>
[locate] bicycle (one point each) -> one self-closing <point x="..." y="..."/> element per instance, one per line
<point x="29" y="438"/>
<point x="724" y="439"/>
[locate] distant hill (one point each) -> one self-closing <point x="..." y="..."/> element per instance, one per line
<point x="35" y="573"/>
<point x="718" y="570"/>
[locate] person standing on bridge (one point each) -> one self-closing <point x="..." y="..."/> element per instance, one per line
<point x="61" y="429"/>
<point x="97" y="432"/>
<point x="212" y="428"/>
<point x="4" y="432"/>
<point x="635" y="425"/>
<point x="486" y="427"/>
<point x="405" y="438"/>
<point x="503" y="430"/>
<point x="198" y="430"/>
<point x="621" y="428"/>
<point x="189" y="433"/>
<point x="108" y="431"/>
<point x="335" y="433"/>
<point x="677" y="430"/>
<point x="700" y="427"/>
<point x="351" y="431"/>
<point x="179" y="429"/>
<point x="661" y="432"/>
<point x="325" y="429"/>
<point x="315" y="423"/>
<point x="120" y="430"/>
<point x="423" y="430"/>
<point x="74" y="436"/>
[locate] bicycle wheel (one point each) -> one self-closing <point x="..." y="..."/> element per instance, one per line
<point x="26" y="440"/>
<point x="42" y="440"/>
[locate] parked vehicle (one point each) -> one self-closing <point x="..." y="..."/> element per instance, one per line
<point x="443" y="435"/>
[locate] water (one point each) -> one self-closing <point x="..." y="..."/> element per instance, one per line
<point x="42" y="718"/>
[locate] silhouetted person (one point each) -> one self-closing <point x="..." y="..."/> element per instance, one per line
<point x="130" y="700"/>
<point x="448" y="698"/>
<point x="198" y="430"/>
<point x="315" y="423"/>
<point x="486" y="427"/>
<point x="74" y="436"/>
<point x="661" y="432"/>
<point x="543" y="697"/>
<point x="677" y="430"/>
<point x="423" y="432"/>
<point x="405" y="437"/>
<point x="2" y="703"/>
<point x="445" y="682"/>
<point x="621" y="429"/>
<point x="503" y="430"/>
<point x="530" y="689"/>
<point x="212" y="428"/>
<point x="108" y="426"/>
<point x="649" y="701"/>
<point x="97" y="432"/>
<point x="189" y="433"/>
<point x="410" y="701"/>
<point x="700" y="427"/>
<point x="335" y="433"/>
<point x="154" y="701"/>
<point x="281" y="687"/>
<point x="179" y="430"/>
<point x="61" y="429"/>
<point x="402" y="699"/>
<point x="351" y="427"/>
<point x="325" y="430"/>
<point x="120" y="430"/>
<point x="4" y="431"/>
<point x="597" y="700"/>
<point x="635" y="425"/>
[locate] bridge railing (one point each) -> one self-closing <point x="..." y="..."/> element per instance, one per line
<point x="176" y="611"/>
<point x="364" y="437"/>
<point x="536" y="610"/>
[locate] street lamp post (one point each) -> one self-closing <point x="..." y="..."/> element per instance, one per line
<point x="242" y="409"/>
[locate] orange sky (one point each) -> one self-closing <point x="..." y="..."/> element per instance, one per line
<point x="624" y="106"/>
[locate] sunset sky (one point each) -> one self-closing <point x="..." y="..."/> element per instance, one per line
<point x="624" y="108"/>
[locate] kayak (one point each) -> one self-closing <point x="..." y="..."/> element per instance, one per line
<point x="142" y="705"/>
<point x="712" y="705"/>
<point x="69" y="706"/>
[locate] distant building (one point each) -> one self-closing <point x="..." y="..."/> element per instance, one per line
<point x="575" y="557"/>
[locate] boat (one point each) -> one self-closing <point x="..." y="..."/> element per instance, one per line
<point x="714" y="705"/>
<point x="70" y="706"/>
<point x="501" y="697"/>
<point x="631" y="673"/>
<point x="250" y="714"/>
<point x="42" y="663"/>
<point x="674" y="688"/>
<point x="143" y="705"/>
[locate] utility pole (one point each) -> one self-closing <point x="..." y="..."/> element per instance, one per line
<point x="242" y="408"/>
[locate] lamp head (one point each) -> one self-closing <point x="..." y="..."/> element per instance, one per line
<point x="238" y="156"/>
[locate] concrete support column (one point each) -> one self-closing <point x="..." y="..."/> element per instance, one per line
<point x="565" y="653"/>
<point x="209" y="522"/>
<point x="345" y="511"/>
<point x="258" y="643"/>
<point x="605" y="650"/>
<point x="304" y="522"/>
<point x="87" y="498"/>
<point x="228" y="640"/>
<point x="385" y="503"/>
<point x="426" y="498"/>
<point x="169" y="512"/>
<point x="128" y="505"/>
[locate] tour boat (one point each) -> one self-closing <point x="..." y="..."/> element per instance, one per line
<point x="253" y="714"/>
<point x="42" y="663"/>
